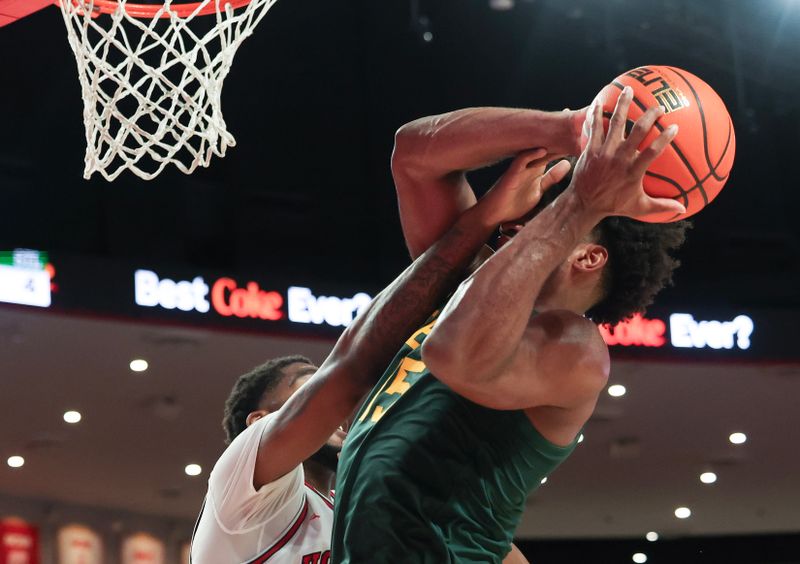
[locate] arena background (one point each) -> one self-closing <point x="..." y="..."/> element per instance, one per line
<point x="305" y="200"/>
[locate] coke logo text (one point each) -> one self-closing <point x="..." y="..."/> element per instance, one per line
<point x="637" y="331"/>
<point x="228" y="299"/>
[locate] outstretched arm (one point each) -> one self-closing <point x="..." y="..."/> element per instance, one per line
<point x="432" y="155"/>
<point x="485" y="345"/>
<point x="364" y="350"/>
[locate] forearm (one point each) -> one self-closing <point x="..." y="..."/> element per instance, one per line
<point x="485" y="320"/>
<point x="432" y="154"/>
<point x="475" y="137"/>
<point x="376" y="335"/>
<point x="364" y="350"/>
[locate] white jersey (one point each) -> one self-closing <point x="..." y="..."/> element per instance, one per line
<point x="285" y="521"/>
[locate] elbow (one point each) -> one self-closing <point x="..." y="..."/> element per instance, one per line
<point x="457" y="372"/>
<point x="404" y="151"/>
<point x="408" y="152"/>
<point x="438" y="358"/>
<point x="409" y="134"/>
<point x="446" y="362"/>
<point x="461" y="366"/>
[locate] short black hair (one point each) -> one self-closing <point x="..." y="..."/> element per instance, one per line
<point x="250" y="389"/>
<point x="640" y="264"/>
<point x="640" y="260"/>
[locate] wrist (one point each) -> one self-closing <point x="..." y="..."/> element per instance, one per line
<point x="581" y="209"/>
<point x="574" y="120"/>
<point x="558" y="132"/>
<point x="479" y="219"/>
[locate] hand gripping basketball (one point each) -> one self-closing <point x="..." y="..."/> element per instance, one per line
<point x="609" y="173"/>
<point x="696" y="165"/>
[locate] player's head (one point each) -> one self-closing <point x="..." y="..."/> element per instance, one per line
<point x="618" y="269"/>
<point x="264" y="390"/>
<point x="639" y="265"/>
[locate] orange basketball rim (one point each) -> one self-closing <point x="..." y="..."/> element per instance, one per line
<point x="13" y="10"/>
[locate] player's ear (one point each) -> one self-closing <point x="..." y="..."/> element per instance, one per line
<point x="254" y="416"/>
<point x="590" y="257"/>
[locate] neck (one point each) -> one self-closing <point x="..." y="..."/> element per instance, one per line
<point x="545" y="304"/>
<point x="578" y="302"/>
<point x="318" y="476"/>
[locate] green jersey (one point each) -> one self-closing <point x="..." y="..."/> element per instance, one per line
<point x="429" y="476"/>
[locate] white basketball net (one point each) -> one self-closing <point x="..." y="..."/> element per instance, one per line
<point x="151" y="88"/>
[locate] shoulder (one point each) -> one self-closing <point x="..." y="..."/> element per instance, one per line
<point x="572" y="350"/>
<point x="238" y="455"/>
<point x="235" y="501"/>
<point x="564" y="328"/>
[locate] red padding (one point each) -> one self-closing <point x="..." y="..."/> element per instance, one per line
<point x="12" y="10"/>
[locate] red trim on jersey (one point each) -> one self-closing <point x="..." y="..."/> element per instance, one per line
<point x="285" y="539"/>
<point x="316" y="491"/>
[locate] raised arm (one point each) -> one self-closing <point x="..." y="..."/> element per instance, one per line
<point x="432" y="155"/>
<point x="364" y="350"/>
<point x="485" y="345"/>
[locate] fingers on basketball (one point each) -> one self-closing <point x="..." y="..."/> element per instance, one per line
<point x="654" y="150"/>
<point x="616" y="126"/>
<point x="594" y="118"/>
<point x="695" y="166"/>
<point x="643" y="126"/>
<point x="653" y="205"/>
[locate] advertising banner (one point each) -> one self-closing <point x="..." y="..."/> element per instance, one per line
<point x="78" y="544"/>
<point x="142" y="548"/>
<point x="267" y="302"/>
<point x="19" y="542"/>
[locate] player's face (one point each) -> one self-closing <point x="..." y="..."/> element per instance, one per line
<point x="295" y="375"/>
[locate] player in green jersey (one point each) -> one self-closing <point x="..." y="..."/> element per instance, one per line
<point x="288" y="412"/>
<point x="488" y="397"/>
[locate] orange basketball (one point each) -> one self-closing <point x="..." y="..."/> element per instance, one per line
<point x="696" y="165"/>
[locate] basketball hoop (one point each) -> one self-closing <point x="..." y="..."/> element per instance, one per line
<point x="151" y="79"/>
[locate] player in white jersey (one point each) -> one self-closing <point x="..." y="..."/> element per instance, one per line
<point x="265" y="500"/>
<point x="286" y="520"/>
